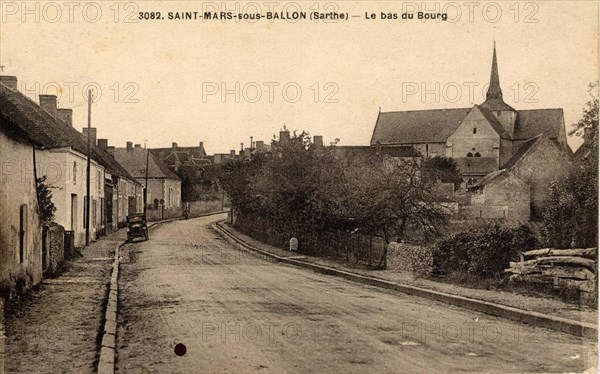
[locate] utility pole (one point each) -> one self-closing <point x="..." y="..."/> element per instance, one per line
<point x="146" y="180"/>
<point x="87" y="179"/>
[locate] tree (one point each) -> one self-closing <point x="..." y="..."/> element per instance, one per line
<point x="587" y="126"/>
<point x="299" y="188"/>
<point x="44" y="196"/>
<point x="443" y="169"/>
<point x="393" y="197"/>
<point x="571" y="216"/>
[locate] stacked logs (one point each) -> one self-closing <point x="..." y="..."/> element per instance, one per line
<point x="564" y="268"/>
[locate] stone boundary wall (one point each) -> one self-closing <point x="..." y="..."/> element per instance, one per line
<point x="408" y="257"/>
<point x="54" y="251"/>
<point x="201" y="207"/>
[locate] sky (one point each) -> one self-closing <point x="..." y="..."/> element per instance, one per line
<point x="162" y="81"/>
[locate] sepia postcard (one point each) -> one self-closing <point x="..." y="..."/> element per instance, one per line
<point x="299" y="186"/>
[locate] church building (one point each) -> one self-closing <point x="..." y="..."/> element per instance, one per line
<point x="482" y="139"/>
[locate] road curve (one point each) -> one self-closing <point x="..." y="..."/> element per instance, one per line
<point x="238" y="313"/>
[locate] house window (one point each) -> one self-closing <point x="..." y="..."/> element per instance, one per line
<point x="474" y="130"/>
<point x="469" y="154"/>
<point x="22" y="231"/>
<point x="477" y="154"/>
<point x="170" y="197"/>
<point x="74" y="172"/>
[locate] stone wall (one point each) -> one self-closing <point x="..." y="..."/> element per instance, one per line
<point x="504" y="197"/>
<point x="200" y="207"/>
<point x="157" y="215"/>
<point x="408" y="257"/>
<point x="539" y="168"/>
<point x="53" y="251"/>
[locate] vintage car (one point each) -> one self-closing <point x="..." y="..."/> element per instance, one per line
<point x="136" y="227"/>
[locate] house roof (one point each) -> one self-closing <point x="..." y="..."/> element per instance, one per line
<point x="476" y="165"/>
<point x="113" y="166"/>
<point x="522" y="151"/>
<point x="29" y="119"/>
<point x="418" y="126"/>
<point x="531" y="123"/>
<point x="134" y="161"/>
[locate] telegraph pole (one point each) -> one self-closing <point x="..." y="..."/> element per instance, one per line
<point x="87" y="179"/>
<point x="146" y="181"/>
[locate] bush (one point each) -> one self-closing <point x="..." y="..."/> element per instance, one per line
<point x="484" y="253"/>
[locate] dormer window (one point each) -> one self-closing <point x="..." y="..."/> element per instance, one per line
<point x="477" y="154"/>
<point x="469" y="154"/>
<point x="474" y="130"/>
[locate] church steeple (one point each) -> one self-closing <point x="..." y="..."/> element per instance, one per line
<point x="494" y="91"/>
<point x="494" y="102"/>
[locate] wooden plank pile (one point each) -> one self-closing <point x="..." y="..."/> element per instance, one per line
<point x="564" y="268"/>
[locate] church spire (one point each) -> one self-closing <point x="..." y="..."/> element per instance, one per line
<point x="494" y="91"/>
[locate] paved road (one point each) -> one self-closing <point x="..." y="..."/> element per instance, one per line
<point x="237" y="313"/>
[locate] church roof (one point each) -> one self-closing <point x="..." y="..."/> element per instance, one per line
<point x="531" y="123"/>
<point x="417" y="126"/>
<point x="435" y="126"/>
<point x="493" y="121"/>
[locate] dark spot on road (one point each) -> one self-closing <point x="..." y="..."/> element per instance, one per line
<point x="180" y="349"/>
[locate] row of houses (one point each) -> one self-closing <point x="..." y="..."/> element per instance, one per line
<point x="38" y="140"/>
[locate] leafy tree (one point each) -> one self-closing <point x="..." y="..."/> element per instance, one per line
<point x="44" y="195"/>
<point x="587" y="126"/>
<point x="443" y="169"/>
<point x="571" y="216"/>
<point x="302" y="188"/>
<point x="392" y="198"/>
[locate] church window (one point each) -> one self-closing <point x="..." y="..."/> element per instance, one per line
<point x="469" y="154"/>
<point x="477" y="154"/>
<point x="474" y="130"/>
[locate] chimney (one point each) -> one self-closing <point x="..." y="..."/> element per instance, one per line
<point x="318" y="140"/>
<point x="129" y="146"/>
<point x="259" y="144"/>
<point x="111" y="149"/>
<point x="284" y="136"/>
<point x="65" y="115"/>
<point x="232" y="153"/>
<point x="103" y="143"/>
<point x="138" y="146"/>
<point x="174" y="146"/>
<point x="48" y="103"/>
<point x="91" y="132"/>
<point x="242" y="147"/>
<point x="9" y="81"/>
